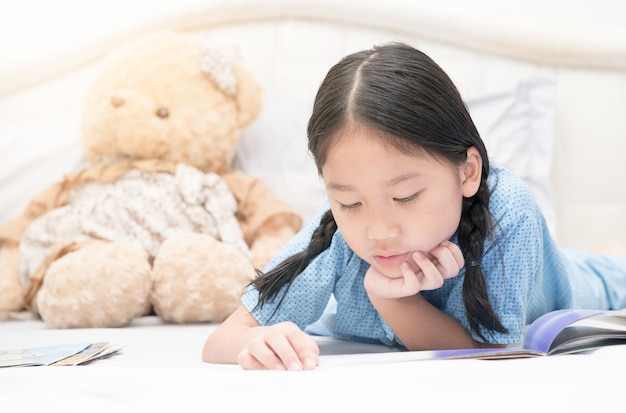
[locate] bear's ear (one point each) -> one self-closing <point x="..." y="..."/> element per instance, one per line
<point x="219" y="65"/>
<point x="222" y="65"/>
<point x="249" y="96"/>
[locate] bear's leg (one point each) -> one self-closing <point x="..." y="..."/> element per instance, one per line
<point x="198" y="279"/>
<point x="10" y="287"/>
<point x="102" y="284"/>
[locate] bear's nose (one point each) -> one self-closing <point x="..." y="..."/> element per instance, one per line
<point x="117" y="101"/>
<point x="163" y="112"/>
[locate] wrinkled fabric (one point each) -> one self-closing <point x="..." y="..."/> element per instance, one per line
<point x="143" y="207"/>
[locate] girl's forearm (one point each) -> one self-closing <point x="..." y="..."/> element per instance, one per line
<point x="222" y="346"/>
<point x="420" y="325"/>
<point x="240" y="339"/>
<point x="226" y="342"/>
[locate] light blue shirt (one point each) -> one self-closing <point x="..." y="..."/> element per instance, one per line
<point x="526" y="275"/>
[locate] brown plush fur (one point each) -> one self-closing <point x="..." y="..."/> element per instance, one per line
<point x="10" y="289"/>
<point x="103" y="284"/>
<point x="202" y="296"/>
<point x="194" y="277"/>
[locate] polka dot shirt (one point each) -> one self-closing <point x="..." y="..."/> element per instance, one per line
<point x="527" y="275"/>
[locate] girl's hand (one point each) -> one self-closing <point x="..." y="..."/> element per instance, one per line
<point x="444" y="262"/>
<point x="281" y="346"/>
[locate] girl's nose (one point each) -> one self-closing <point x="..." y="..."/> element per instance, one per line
<point x="382" y="226"/>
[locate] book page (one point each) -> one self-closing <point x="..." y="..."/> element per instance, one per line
<point x="39" y="356"/>
<point x="93" y="352"/>
<point x="608" y="328"/>
<point x="540" y="336"/>
<point x="405" y="356"/>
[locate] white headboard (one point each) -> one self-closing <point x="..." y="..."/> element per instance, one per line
<point x="574" y="57"/>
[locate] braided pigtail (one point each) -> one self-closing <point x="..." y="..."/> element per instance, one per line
<point x="474" y="227"/>
<point x="404" y="95"/>
<point x="270" y="283"/>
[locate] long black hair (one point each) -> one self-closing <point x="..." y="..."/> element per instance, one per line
<point x="404" y="94"/>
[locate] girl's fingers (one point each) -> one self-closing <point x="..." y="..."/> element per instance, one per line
<point x="431" y="277"/>
<point x="286" y="347"/>
<point x="248" y="362"/>
<point x="411" y="280"/>
<point x="456" y="253"/>
<point x="449" y="259"/>
<point x="271" y="353"/>
<point x="306" y="350"/>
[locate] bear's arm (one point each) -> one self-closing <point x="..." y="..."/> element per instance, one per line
<point x="266" y="221"/>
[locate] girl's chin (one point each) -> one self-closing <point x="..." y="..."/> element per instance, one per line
<point x="390" y="272"/>
<point x="395" y="272"/>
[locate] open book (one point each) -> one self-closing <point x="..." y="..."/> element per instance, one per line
<point x="58" y="355"/>
<point x="558" y="332"/>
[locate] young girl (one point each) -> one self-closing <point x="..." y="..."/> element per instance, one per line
<point x="421" y="244"/>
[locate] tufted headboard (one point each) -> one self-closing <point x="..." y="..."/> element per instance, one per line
<point x="545" y="82"/>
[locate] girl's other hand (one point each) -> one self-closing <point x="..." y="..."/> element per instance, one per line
<point x="443" y="262"/>
<point x="281" y="346"/>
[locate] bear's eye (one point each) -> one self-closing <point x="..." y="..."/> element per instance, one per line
<point x="163" y="112"/>
<point x="117" y="101"/>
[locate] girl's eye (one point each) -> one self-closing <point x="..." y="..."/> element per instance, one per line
<point x="351" y="206"/>
<point x="406" y="200"/>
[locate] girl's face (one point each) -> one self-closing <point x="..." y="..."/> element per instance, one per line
<point x="388" y="204"/>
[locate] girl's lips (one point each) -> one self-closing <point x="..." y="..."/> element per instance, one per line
<point x="390" y="260"/>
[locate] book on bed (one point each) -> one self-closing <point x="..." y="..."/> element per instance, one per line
<point x="57" y="355"/>
<point x="558" y="332"/>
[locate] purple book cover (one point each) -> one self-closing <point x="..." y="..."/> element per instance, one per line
<point x="542" y="332"/>
<point x="540" y="338"/>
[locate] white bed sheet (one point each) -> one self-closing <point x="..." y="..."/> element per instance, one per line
<point x="181" y="382"/>
<point x="42" y="80"/>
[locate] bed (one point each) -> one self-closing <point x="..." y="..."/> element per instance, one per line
<point x="544" y="80"/>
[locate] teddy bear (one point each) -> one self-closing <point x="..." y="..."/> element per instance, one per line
<point x="158" y="221"/>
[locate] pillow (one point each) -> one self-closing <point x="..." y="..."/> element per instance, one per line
<point x="274" y="148"/>
<point x="33" y="156"/>
<point x="516" y="125"/>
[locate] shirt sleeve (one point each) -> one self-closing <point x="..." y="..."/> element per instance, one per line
<point x="304" y="301"/>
